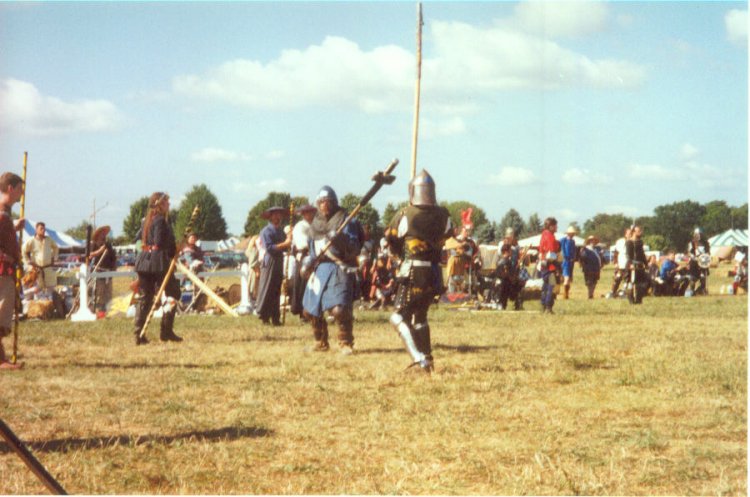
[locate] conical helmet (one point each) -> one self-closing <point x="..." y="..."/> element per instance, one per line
<point x="327" y="192"/>
<point x="422" y="189"/>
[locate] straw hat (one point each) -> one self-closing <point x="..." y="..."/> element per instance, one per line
<point x="271" y="210"/>
<point x="592" y="238"/>
<point x="101" y="231"/>
<point x="571" y="230"/>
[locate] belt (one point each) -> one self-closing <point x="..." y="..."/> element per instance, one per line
<point x="149" y="248"/>
<point x="417" y="263"/>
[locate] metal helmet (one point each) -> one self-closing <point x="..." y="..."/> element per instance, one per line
<point x="327" y="192"/>
<point x="422" y="189"/>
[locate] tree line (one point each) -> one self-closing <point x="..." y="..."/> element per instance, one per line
<point x="670" y="227"/>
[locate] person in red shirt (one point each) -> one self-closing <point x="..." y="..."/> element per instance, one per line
<point x="548" y="248"/>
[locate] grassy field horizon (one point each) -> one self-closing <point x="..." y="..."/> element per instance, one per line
<point x="602" y="398"/>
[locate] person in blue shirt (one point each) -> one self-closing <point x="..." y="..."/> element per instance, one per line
<point x="274" y="244"/>
<point x="667" y="274"/>
<point x="568" y="248"/>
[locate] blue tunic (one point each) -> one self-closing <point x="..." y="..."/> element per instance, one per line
<point x="333" y="283"/>
<point x="568" y="248"/>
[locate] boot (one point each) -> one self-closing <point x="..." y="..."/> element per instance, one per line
<point x="566" y="289"/>
<point x="421" y="336"/>
<point x="140" y="340"/>
<point x="166" y="333"/>
<point x="320" y="332"/>
<point x="346" y="335"/>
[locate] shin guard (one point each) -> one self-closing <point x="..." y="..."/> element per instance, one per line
<point x="404" y="330"/>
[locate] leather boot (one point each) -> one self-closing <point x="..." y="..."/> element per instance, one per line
<point x="320" y="332"/>
<point x="346" y="335"/>
<point x="167" y="334"/>
<point x="566" y="288"/>
<point x="141" y="311"/>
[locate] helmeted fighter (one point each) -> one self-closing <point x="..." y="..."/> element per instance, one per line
<point x="418" y="232"/>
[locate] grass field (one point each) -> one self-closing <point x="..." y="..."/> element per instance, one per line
<point x="601" y="398"/>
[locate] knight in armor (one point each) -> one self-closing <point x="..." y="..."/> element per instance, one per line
<point x="638" y="275"/>
<point x="699" y="250"/>
<point x="418" y="232"/>
<point x="331" y="284"/>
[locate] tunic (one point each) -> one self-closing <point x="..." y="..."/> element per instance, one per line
<point x="271" y="272"/>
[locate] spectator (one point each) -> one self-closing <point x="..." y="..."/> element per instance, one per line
<point x="591" y="264"/>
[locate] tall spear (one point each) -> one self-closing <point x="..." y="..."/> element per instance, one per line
<point x="420" y="23"/>
<point x="17" y="313"/>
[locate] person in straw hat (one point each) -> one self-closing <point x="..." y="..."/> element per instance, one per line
<point x="591" y="264"/>
<point x="274" y="242"/>
<point x="568" y="248"/>
<point x="103" y="259"/>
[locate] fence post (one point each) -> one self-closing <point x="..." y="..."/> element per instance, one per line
<point x="244" y="307"/>
<point x="83" y="313"/>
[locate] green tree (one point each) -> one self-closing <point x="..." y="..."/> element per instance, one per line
<point x="132" y="223"/>
<point x="79" y="231"/>
<point x="209" y="223"/>
<point x="739" y="217"/>
<point x="367" y="215"/>
<point x="607" y="227"/>
<point x="511" y="219"/>
<point x="655" y="242"/>
<point x="478" y="216"/>
<point x="391" y="210"/>
<point x="717" y="218"/>
<point x="676" y="222"/>
<point x="485" y="233"/>
<point x="533" y="226"/>
<point x="254" y="223"/>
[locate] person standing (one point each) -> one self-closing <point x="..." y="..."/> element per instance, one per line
<point x="252" y="252"/>
<point x="568" y="248"/>
<point x="621" y="263"/>
<point x="152" y="265"/>
<point x="274" y="243"/>
<point x="39" y="253"/>
<point x="638" y="274"/>
<point x="697" y="247"/>
<point x="11" y="190"/>
<point x="103" y="259"/>
<point x="548" y="249"/>
<point x="418" y="232"/>
<point x="331" y="284"/>
<point x="300" y="249"/>
<point x="516" y="282"/>
<point x="591" y="264"/>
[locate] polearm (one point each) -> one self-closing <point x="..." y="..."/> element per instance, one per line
<point x="32" y="462"/>
<point x="380" y="178"/>
<point x="285" y="281"/>
<point x="417" y="92"/>
<point x="18" y="306"/>
<point x="167" y="276"/>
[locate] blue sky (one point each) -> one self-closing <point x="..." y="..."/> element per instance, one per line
<point x="560" y="108"/>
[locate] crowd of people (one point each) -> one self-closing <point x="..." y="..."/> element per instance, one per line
<point x="321" y="265"/>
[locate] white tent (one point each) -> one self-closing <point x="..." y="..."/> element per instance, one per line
<point x="61" y="239"/>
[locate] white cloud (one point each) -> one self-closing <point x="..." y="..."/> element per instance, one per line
<point x="513" y="176"/>
<point x="578" y="176"/>
<point x="275" y="154"/>
<point x="709" y="176"/>
<point x="736" y="25"/>
<point x="651" y="172"/>
<point x="213" y="155"/>
<point x="689" y="152"/>
<point x="261" y="186"/>
<point x="479" y="61"/>
<point x="336" y="72"/>
<point x="26" y="110"/>
<point x="434" y="129"/>
<point x="554" y="19"/>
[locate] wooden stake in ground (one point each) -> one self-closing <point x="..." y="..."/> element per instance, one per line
<point x="18" y="306"/>
<point x="417" y="92"/>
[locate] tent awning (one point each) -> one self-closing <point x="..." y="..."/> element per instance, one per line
<point x="730" y="238"/>
<point x="61" y="239"/>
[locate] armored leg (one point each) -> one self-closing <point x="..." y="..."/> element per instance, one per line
<point x="410" y="340"/>
<point x="345" y="321"/>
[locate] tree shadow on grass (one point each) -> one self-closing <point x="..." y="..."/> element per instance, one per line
<point x="226" y="434"/>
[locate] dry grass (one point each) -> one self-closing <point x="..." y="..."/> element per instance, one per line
<point x="603" y="398"/>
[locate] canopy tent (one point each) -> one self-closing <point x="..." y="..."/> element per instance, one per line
<point x="61" y="239"/>
<point x="730" y="238"/>
<point x="533" y="241"/>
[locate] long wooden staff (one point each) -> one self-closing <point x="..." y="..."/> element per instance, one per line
<point x="417" y="92"/>
<point x="285" y="281"/>
<point x="170" y="272"/>
<point x="32" y="462"/>
<point x="18" y="306"/>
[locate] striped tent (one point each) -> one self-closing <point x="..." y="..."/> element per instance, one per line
<point x="730" y="238"/>
<point x="61" y="239"/>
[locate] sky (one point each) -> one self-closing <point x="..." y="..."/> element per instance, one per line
<point x="565" y="109"/>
